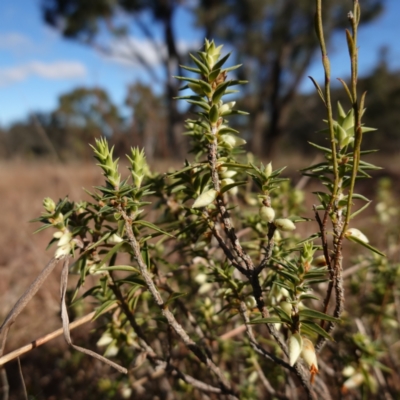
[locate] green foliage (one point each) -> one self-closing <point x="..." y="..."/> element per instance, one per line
<point x="210" y="274"/>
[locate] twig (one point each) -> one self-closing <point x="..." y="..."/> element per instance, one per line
<point x="44" y="339"/>
<point x="65" y="322"/>
<point x="297" y="369"/>
<point x="241" y="255"/>
<point x="22" y="379"/>
<point x="266" y="382"/>
<point x="5" y="388"/>
<point x="190" y="344"/>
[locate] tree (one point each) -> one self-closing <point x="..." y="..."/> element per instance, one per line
<point x="278" y="41"/>
<point x="83" y="20"/>
<point x="149" y="119"/>
<point x="84" y="114"/>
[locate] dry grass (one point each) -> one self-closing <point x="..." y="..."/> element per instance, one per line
<point x="23" y="255"/>
<point x="23" y="187"/>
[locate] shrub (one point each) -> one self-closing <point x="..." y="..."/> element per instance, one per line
<point x="208" y="276"/>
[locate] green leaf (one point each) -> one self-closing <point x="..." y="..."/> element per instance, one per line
<point x="319" y="90"/>
<point x="311" y="327"/>
<point x="203" y="68"/>
<point x="360" y="210"/>
<point x="186" y="79"/>
<point x="232" y="185"/>
<point x="320" y="147"/>
<point x="221" y="62"/>
<point x="282" y="315"/>
<point x="206" y="87"/>
<point x="232" y="68"/>
<point x="268" y="320"/>
<point x="307" y="296"/>
<point x="111" y="253"/>
<point x="151" y="226"/>
<point x="227" y="129"/>
<point x="214" y="74"/>
<point x="309" y="313"/>
<point x="191" y="69"/>
<point x="174" y="296"/>
<point x="219" y="92"/>
<point x="203" y="104"/>
<point x="367" y="245"/>
<point x="128" y="268"/>
<point x="42" y="228"/>
<point x="213" y="114"/>
<point x="103" y="308"/>
<point x="291" y="277"/>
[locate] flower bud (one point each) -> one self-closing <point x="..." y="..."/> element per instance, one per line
<point x="295" y="346"/>
<point x="267" y="213"/>
<point x="201" y="278"/>
<point x="353" y="382"/>
<point x="251" y="302"/>
<point x="231" y="140"/>
<point x="355" y="233"/>
<point x="228" y="181"/>
<point x="205" y="199"/>
<point x="227" y="174"/>
<point x="310" y="357"/>
<point x="115" y="239"/>
<point x="268" y="170"/>
<point x="284" y="224"/>
<point x="205" y="288"/>
<point x="105" y="339"/>
<point x="348" y="371"/>
<point x="49" y="205"/>
<point x="226" y="108"/>
<point x="286" y="307"/>
<point x="319" y="261"/>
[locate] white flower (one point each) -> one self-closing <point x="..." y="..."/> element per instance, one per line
<point x="284" y="224"/>
<point x="64" y="245"/>
<point x="295" y="346"/>
<point x="205" y="199"/>
<point x="353" y="382"/>
<point x="115" y="239"/>
<point x="309" y="356"/>
<point x="201" y="278"/>
<point x="355" y="233"/>
<point x="105" y="339"/>
<point x="267" y="213"/>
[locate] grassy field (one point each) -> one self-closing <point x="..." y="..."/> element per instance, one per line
<point x="23" y="187"/>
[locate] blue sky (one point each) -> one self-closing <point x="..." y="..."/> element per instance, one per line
<point x="37" y="65"/>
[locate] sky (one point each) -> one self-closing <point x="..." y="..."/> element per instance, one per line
<point x="37" y="65"/>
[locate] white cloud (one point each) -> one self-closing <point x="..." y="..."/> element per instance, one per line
<point x="128" y="51"/>
<point x="54" y="70"/>
<point x="15" y="42"/>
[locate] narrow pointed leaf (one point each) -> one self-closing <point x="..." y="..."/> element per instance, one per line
<point x="309" y="313"/>
<point x="152" y="226"/>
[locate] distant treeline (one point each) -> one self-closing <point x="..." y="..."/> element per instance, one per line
<point x="88" y="113"/>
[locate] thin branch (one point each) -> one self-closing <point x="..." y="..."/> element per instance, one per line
<point x="44" y="339"/>
<point x="266" y="382"/>
<point x="21" y="375"/>
<point x="65" y="322"/>
<point x="190" y="344"/>
<point x="241" y="255"/>
<point x="297" y="369"/>
<point x="5" y="388"/>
